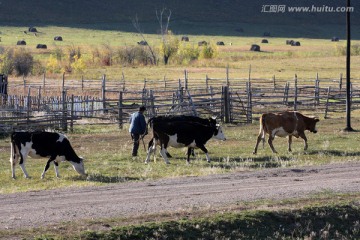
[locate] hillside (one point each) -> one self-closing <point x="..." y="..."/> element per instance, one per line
<point x="116" y="14"/>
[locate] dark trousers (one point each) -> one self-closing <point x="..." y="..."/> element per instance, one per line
<point x="136" y="141"/>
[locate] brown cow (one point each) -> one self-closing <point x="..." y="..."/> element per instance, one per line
<point x="285" y="124"/>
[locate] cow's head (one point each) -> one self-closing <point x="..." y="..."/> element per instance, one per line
<point x="219" y="134"/>
<point x="311" y="124"/>
<point x="79" y="166"/>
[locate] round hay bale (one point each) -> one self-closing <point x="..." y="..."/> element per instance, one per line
<point x="58" y="38"/>
<point x="32" y="29"/>
<point x="255" y="48"/>
<point x="220" y="43"/>
<point x="21" y="42"/>
<point x="335" y="39"/>
<point x="41" y="46"/>
<point x="202" y="43"/>
<point x="185" y="38"/>
<point x="142" y="43"/>
<point x="296" y="43"/>
<point x="264" y="41"/>
<point x="289" y="42"/>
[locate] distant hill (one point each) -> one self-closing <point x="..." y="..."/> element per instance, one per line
<point x="109" y="13"/>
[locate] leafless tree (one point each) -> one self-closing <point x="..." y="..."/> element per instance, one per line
<point x="136" y="24"/>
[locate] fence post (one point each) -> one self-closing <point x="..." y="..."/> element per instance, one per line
<point x="28" y="107"/>
<point x="227" y="76"/>
<point x="82" y="82"/>
<point x="340" y="81"/>
<point x="63" y="81"/>
<point x="120" y="110"/>
<point x="249" y="103"/>
<point x="327" y="103"/>
<point x="39" y="97"/>
<point x="186" y="80"/>
<point x="64" y="110"/>
<point x="207" y="83"/>
<point x="44" y="78"/>
<point x="295" y="93"/>
<point x="274" y="83"/>
<point x="226" y="105"/>
<point x="103" y="93"/>
<point x="317" y="85"/>
<point x="152" y="103"/>
<point x="72" y="114"/>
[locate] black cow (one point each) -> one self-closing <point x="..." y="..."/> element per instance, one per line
<point x="182" y="134"/>
<point x="206" y="121"/>
<point x="43" y="144"/>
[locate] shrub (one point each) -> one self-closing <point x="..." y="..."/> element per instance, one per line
<point x="23" y="62"/>
<point x="208" y="51"/>
<point x="52" y="65"/>
<point x="187" y="53"/>
<point x="78" y="66"/>
<point x="7" y="61"/>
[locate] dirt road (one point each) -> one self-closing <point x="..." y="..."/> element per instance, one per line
<point x="34" y="209"/>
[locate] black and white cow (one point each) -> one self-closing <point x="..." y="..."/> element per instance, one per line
<point x="180" y="134"/>
<point x="205" y="121"/>
<point x="53" y="145"/>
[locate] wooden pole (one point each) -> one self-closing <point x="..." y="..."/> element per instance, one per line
<point x="348" y="83"/>
<point x="120" y="110"/>
<point x="296" y="93"/>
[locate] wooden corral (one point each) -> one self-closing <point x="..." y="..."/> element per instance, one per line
<point x="56" y="104"/>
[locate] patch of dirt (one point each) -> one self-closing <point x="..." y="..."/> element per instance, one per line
<point x="42" y="208"/>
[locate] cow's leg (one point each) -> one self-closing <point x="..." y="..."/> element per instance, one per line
<point x="151" y="149"/>
<point x="56" y="167"/>
<point x="47" y="166"/>
<point x="203" y="148"/>
<point x="270" y="140"/>
<point x="302" y="135"/>
<point x="289" y="141"/>
<point x="260" y="136"/>
<point x="23" y="155"/>
<point x="188" y="155"/>
<point x="14" y="158"/>
<point x="163" y="154"/>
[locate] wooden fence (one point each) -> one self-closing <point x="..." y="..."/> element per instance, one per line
<point x="61" y="104"/>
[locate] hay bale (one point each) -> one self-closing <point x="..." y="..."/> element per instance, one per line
<point x="264" y="41"/>
<point x="255" y="48"/>
<point x="202" y="43"/>
<point x="185" y="38"/>
<point x="289" y="42"/>
<point x="296" y="43"/>
<point x="41" y="46"/>
<point x="21" y="42"/>
<point x="32" y="29"/>
<point x="142" y="43"/>
<point x="220" y="43"/>
<point x="58" y="38"/>
<point x="335" y="39"/>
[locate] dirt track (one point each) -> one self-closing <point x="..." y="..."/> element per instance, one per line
<point x="34" y="209"/>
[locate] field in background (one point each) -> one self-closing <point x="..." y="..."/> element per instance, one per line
<point x="276" y="58"/>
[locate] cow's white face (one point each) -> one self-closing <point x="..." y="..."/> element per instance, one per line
<point x="219" y="134"/>
<point x="79" y="167"/>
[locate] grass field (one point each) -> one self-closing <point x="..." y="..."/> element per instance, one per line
<point x="276" y="58"/>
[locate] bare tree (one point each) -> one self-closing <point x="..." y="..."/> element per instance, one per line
<point x="168" y="48"/>
<point x="136" y="24"/>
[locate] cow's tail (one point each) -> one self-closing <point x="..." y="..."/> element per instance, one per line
<point x="262" y="130"/>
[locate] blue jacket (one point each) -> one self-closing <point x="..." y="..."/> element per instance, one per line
<point x="137" y="123"/>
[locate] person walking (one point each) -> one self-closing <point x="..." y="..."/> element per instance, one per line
<point x="137" y="128"/>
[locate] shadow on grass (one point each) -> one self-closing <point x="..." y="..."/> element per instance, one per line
<point x="104" y="179"/>
<point x="334" y="153"/>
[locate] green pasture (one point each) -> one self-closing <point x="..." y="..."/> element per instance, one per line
<point x="315" y="55"/>
<point x="107" y="151"/>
